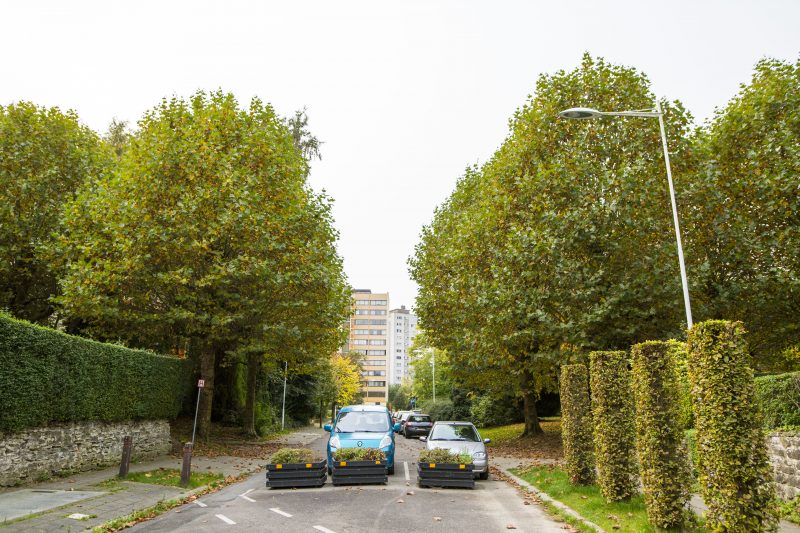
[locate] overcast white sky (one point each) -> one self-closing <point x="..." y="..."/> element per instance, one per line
<point x="404" y="94"/>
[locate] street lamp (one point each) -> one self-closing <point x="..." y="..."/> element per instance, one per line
<point x="585" y="113"/>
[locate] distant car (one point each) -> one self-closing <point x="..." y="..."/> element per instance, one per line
<point x="417" y="425"/>
<point x="461" y="437"/>
<point x="397" y="416"/>
<point x="368" y="426"/>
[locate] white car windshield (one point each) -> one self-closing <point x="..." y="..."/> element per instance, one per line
<point x="454" y="432"/>
<point x="353" y="421"/>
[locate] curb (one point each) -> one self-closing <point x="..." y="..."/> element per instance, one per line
<point x="549" y="500"/>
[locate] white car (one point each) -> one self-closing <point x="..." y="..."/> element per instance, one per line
<point x="461" y="437"/>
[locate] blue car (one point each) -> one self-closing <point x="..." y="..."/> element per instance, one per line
<point x="363" y="426"/>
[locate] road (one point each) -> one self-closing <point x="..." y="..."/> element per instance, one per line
<point x="399" y="506"/>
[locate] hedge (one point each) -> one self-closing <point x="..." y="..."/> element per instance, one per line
<point x="660" y="440"/>
<point x="614" y="434"/>
<point x="48" y="376"/>
<point x="779" y="399"/>
<point x="576" y="424"/>
<point x="733" y="469"/>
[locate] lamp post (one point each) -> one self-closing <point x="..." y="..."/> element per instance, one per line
<point x="283" y="408"/>
<point x="433" y="365"/>
<point x="585" y="113"/>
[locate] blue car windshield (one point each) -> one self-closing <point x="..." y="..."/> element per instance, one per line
<point x="353" y="421"/>
<point x="454" y="432"/>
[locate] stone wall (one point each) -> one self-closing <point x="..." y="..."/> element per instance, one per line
<point x="39" y="453"/>
<point x="784" y="453"/>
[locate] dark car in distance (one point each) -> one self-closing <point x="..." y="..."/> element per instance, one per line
<point x="417" y="425"/>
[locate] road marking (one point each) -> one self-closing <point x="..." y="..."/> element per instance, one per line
<point x="405" y="466"/>
<point x="201" y="504"/>
<point x="323" y="529"/>
<point x="248" y="498"/>
<point x="225" y="519"/>
<point x="248" y="492"/>
<point x="282" y="513"/>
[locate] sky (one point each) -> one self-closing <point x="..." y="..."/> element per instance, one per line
<point x="404" y="95"/>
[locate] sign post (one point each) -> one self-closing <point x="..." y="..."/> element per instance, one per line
<point x="200" y="384"/>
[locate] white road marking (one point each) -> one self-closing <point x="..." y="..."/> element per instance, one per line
<point x="248" y="492"/>
<point x="248" y="498"/>
<point x="282" y="513"/>
<point x="225" y="519"/>
<point x="323" y="529"/>
<point x="201" y="504"/>
<point x="405" y="466"/>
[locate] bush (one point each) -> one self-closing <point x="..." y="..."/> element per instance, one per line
<point x="734" y="472"/>
<point x="779" y="399"/>
<point x="576" y="424"/>
<point x="358" y="454"/>
<point x="614" y="434"/>
<point x="48" y="376"/>
<point x="660" y="439"/>
<point x="488" y="411"/>
<point x="292" y="455"/>
<point x="440" y="410"/>
<point x="677" y="352"/>
<point x="443" y="456"/>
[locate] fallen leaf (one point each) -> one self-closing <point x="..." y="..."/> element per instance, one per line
<point x="437" y="518"/>
<point x="410" y="492"/>
<point x="511" y="526"/>
<point x="526" y="502"/>
<point x="401" y="501"/>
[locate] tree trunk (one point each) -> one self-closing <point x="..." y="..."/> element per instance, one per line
<point x="207" y="360"/>
<point x="249" y="418"/>
<point x="532" y="426"/>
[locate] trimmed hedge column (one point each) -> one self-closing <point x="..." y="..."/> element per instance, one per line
<point x="612" y="410"/>
<point x="734" y="472"/>
<point x="660" y="441"/>
<point x="576" y="424"/>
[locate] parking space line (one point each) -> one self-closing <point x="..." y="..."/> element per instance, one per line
<point x="405" y="467"/>
<point x="248" y="498"/>
<point x="323" y="529"/>
<point x="201" y="504"/>
<point x="225" y="519"/>
<point x="282" y="513"/>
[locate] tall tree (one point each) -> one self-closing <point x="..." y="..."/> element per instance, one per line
<point x="45" y="155"/>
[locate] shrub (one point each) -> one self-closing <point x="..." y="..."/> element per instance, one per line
<point x="443" y="456"/>
<point x="660" y="440"/>
<point x="779" y="399"/>
<point x="734" y="472"/>
<point x="48" y="376"/>
<point x="614" y="436"/>
<point x="293" y="455"/>
<point x="576" y="424"/>
<point x="488" y="411"/>
<point x="677" y="352"/>
<point x="439" y="410"/>
<point x="358" y="454"/>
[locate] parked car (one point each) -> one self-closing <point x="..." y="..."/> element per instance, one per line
<point x="367" y="426"/>
<point x="416" y="425"/>
<point x="461" y="437"/>
<point x="397" y="416"/>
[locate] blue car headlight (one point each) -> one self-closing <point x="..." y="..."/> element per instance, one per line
<point x="334" y="442"/>
<point x="385" y="441"/>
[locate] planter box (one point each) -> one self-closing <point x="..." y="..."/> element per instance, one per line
<point x="359" y="472"/>
<point x="445" y="475"/>
<point x="289" y="475"/>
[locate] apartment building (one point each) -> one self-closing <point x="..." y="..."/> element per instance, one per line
<point x="402" y="330"/>
<point x="368" y="337"/>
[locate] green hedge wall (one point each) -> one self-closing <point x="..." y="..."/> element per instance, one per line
<point x="779" y="399"/>
<point x="576" y="424"/>
<point x="660" y="440"/>
<point x="614" y="434"/>
<point x="47" y="376"/>
<point x="734" y="472"/>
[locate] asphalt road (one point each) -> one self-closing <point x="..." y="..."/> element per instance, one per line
<point x="399" y="506"/>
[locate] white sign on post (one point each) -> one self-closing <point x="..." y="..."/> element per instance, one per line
<point x="201" y="383"/>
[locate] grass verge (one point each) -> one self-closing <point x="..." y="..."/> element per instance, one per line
<point x="171" y="477"/>
<point x="589" y="502"/>
<point x="507" y="440"/>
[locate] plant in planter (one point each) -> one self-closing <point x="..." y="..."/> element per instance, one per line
<point x="356" y="466"/>
<point x="295" y="467"/>
<point x="443" y="468"/>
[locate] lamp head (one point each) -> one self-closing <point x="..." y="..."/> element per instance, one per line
<point x="580" y="113"/>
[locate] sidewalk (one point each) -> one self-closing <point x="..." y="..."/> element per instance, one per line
<point x="107" y="501"/>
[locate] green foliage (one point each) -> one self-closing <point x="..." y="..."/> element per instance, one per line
<point x="577" y="428"/>
<point x="734" y="472"/>
<point x="399" y="396"/>
<point x="679" y="354"/>
<point x="614" y="433"/>
<point x="660" y="441"/>
<point x="462" y="402"/>
<point x="358" y="454"/>
<point x="441" y="409"/>
<point x="791" y="510"/>
<point x="444" y="456"/>
<point x="47" y="376"/>
<point x="488" y="410"/>
<point x="422" y="355"/>
<point x="293" y="455"/>
<point x="778" y="398"/>
<point x="171" y="477"/>
<point x="45" y="155"/>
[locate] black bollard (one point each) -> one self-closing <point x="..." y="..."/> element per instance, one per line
<point x="186" y="469"/>
<point x="127" y="448"/>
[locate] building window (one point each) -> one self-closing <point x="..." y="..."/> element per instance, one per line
<point x="377" y="302"/>
<point x="376" y="352"/>
<point x="377" y="342"/>
<point x="358" y="341"/>
<point x="375" y="383"/>
<point x="372" y="362"/>
<point x="369" y="332"/>
<point x="367" y="322"/>
<point x="373" y="373"/>
<point x="374" y="394"/>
